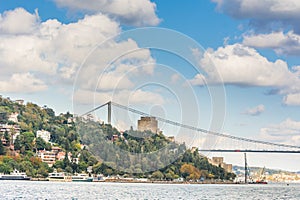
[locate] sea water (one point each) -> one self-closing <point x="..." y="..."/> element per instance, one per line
<point x="85" y="190"/>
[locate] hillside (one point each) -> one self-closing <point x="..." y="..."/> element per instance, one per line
<point x="30" y="131"/>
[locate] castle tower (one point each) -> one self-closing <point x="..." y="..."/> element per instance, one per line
<point x="148" y="124"/>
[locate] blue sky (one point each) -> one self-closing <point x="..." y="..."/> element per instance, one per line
<point x="254" y="47"/>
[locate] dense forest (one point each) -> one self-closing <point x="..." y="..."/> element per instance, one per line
<point x="108" y="151"/>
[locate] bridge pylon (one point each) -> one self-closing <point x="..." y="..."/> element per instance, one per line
<point x="109" y="112"/>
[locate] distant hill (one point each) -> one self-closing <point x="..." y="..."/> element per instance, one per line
<point x="241" y="170"/>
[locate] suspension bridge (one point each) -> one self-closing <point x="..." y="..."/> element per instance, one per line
<point x="222" y="142"/>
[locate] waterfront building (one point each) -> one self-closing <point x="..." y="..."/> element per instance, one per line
<point x="48" y="157"/>
<point x="148" y="124"/>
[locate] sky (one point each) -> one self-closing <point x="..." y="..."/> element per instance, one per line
<point x="230" y="66"/>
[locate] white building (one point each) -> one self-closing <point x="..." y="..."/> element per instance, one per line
<point x="12" y="130"/>
<point x="20" y="101"/>
<point x="13" y="117"/>
<point x="48" y="157"/>
<point x="45" y="135"/>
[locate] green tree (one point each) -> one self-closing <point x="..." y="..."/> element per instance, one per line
<point x="43" y="172"/>
<point x="7" y="137"/>
<point x="157" y="175"/>
<point x="97" y="168"/>
<point x="66" y="161"/>
<point x="2" y="149"/>
<point x="24" y="142"/>
<point x="170" y="175"/>
<point x="5" y="168"/>
<point x="82" y="166"/>
<point x="25" y="165"/>
<point x="59" y="164"/>
<point x="69" y="169"/>
<point x="3" y="117"/>
<point x="108" y="172"/>
<point x="40" y="143"/>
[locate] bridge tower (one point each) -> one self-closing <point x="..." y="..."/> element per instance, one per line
<point x="246" y="168"/>
<point x="109" y="112"/>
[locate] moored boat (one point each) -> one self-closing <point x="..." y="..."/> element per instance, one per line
<point x="15" y="175"/>
<point x="59" y="177"/>
<point x="262" y="177"/>
<point x="81" y="178"/>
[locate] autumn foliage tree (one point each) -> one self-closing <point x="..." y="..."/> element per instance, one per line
<point x="190" y="172"/>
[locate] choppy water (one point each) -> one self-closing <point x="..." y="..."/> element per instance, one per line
<point x="51" y="190"/>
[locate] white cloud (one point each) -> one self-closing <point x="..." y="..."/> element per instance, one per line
<point x="199" y="79"/>
<point x="18" y="21"/>
<point x="296" y="70"/>
<point x="56" y="50"/>
<point x="263" y="14"/>
<point x="287" y="44"/>
<point x="23" y="53"/>
<point x="114" y="81"/>
<point x="25" y="83"/>
<point x="255" y="111"/>
<point x="89" y="97"/>
<point x="240" y="65"/>
<point x="292" y="99"/>
<point x="51" y="47"/>
<point x="287" y="132"/>
<point x="132" y="12"/>
<point x="146" y="97"/>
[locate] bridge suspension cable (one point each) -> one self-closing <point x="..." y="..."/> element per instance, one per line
<point x="194" y="128"/>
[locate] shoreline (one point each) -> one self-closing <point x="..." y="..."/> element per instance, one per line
<point x="161" y="182"/>
<point x="150" y="181"/>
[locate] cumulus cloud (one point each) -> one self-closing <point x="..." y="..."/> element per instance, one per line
<point x="18" y="21"/>
<point x="282" y="43"/>
<point x="257" y="110"/>
<point x="132" y="12"/>
<point x="287" y="132"/>
<point x="53" y="45"/>
<point x="56" y="51"/>
<point x="241" y="65"/>
<point x="292" y="99"/>
<point x="263" y="14"/>
<point x="26" y="82"/>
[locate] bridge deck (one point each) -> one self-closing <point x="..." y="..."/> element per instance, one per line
<point x="247" y="151"/>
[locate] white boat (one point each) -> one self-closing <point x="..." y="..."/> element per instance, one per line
<point x="60" y="177"/>
<point x="15" y="175"/>
<point x="82" y="178"/>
